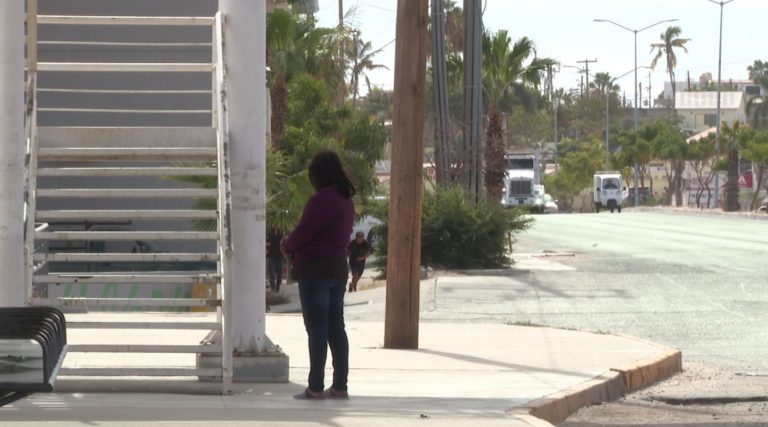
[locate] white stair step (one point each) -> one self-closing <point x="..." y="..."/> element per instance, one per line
<point x="130" y="257"/>
<point x="121" y="67"/>
<point x="213" y="326"/>
<point x="126" y="154"/>
<point x="126" y="137"/>
<point x="101" y="215"/>
<point x="128" y="171"/>
<point x="125" y="91"/>
<point x="175" y="193"/>
<point x="127" y="235"/>
<point x="144" y="348"/>
<point x="124" y="278"/>
<point x="144" y="371"/>
<point x="124" y="20"/>
<point x="147" y="302"/>
<point x="118" y="111"/>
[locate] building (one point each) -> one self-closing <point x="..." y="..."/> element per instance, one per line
<point x="698" y="110"/>
<point x="706" y="83"/>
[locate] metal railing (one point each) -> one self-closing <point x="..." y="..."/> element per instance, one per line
<point x="220" y="123"/>
<point x="30" y="184"/>
<point x="225" y="203"/>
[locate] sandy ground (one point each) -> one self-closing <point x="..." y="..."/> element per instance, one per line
<point x="702" y="395"/>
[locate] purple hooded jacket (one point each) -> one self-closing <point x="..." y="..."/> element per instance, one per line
<point x="324" y="228"/>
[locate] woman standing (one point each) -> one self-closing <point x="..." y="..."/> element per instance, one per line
<point x="318" y="247"/>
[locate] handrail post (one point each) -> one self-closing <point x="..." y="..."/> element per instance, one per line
<point x="30" y="184"/>
<point x="225" y="207"/>
<point x="31" y="36"/>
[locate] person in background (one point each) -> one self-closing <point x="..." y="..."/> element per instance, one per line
<point x="318" y="248"/>
<point x="358" y="250"/>
<point x="274" y="259"/>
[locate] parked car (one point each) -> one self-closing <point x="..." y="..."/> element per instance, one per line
<point x="544" y="203"/>
<point x="550" y="204"/>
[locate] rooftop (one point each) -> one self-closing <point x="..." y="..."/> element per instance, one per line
<point x="708" y="100"/>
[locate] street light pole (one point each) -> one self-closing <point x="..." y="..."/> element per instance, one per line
<point x="607" y="124"/>
<point x="719" y="89"/>
<point x="634" y="113"/>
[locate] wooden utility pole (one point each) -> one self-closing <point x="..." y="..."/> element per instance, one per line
<point x="473" y="97"/>
<point x="401" y="325"/>
<point x="586" y="63"/>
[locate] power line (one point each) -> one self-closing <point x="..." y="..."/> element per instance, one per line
<point x="586" y="71"/>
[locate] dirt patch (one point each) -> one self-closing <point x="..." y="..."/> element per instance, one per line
<point x="700" y="395"/>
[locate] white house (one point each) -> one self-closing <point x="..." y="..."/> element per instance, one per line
<point x="706" y="81"/>
<point x="698" y="110"/>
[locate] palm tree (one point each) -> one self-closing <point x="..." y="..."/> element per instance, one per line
<point x="669" y="42"/>
<point x="504" y="69"/>
<point x="757" y="107"/>
<point x="731" y="138"/>
<point x="454" y="27"/>
<point x="604" y="82"/>
<point x="362" y="60"/>
<point x="294" y="46"/>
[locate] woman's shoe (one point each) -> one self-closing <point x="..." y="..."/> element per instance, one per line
<point x="330" y="393"/>
<point x="308" y="394"/>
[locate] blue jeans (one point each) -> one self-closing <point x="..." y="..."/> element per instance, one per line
<point x="275" y="273"/>
<point x="322" y="305"/>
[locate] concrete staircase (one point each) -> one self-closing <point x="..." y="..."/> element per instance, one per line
<point x="128" y="183"/>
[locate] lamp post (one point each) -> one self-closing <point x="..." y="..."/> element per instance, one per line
<point x="719" y="89"/>
<point x="607" y="115"/>
<point x="634" y="114"/>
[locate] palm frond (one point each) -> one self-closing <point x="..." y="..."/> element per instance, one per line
<point x="655" y="60"/>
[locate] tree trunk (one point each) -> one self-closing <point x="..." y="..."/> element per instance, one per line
<point x="679" y="166"/>
<point x="494" y="158"/>
<point x="671" y="79"/>
<point x="759" y="176"/>
<point x="666" y="199"/>
<point x="732" y="181"/>
<point x="279" y="98"/>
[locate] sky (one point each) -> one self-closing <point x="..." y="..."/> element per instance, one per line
<point x="565" y="30"/>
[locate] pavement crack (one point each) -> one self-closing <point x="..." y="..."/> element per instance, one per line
<point x="712" y="400"/>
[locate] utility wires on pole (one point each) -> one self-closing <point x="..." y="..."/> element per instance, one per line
<point x="473" y="95"/>
<point x="586" y="71"/>
<point x="440" y="93"/>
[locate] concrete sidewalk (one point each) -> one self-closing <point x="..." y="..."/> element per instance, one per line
<point x="462" y="374"/>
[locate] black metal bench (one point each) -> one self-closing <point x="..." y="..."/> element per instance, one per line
<point x="33" y="343"/>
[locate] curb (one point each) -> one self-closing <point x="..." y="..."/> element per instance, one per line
<point x="491" y="272"/>
<point x="648" y="371"/>
<point x="609" y="386"/>
<point x="757" y="216"/>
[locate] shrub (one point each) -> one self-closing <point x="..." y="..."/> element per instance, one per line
<point x="459" y="234"/>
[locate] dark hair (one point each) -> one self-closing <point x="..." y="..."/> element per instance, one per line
<point x="326" y="169"/>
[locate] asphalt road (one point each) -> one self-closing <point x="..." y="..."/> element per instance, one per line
<point x="696" y="283"/>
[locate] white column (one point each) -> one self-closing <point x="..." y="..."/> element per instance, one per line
<point x="245" y="52"/>
<point x="11" y="152"/>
